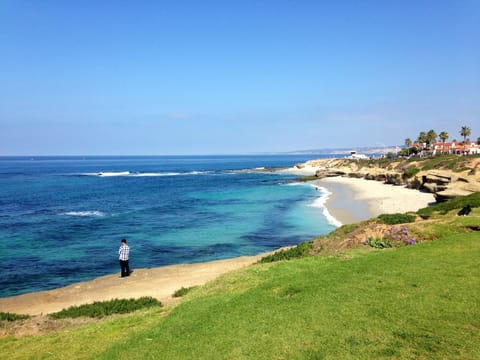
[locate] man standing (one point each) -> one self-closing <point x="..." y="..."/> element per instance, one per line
<point x="123" y="254"/>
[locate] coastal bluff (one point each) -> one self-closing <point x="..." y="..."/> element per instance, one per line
<point x="446" y="178"/>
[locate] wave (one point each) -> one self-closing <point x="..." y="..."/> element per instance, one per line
<point x="94" y="213"/>
<point x="120" y="173"/>
<point x="146" y="174"/>
<point x="321" y="201"/>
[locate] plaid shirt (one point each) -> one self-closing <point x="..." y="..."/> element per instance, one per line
<point x="123" y="252"/>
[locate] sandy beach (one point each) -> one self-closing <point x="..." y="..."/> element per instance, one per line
<point x="354" y="200"/>
<point x="159" y="283"/>
<point x="351" y="200"/>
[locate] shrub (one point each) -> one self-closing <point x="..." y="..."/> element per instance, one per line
<point x="100" y="309"/>
<point x="410" y="172"/>
<point x="12" y="317"/>
<point x="183" y="291"/>
<point x="378" y="243"/>
<point x="298" y="251"/>
<point x="395" y="236"/>
<point x="393" y="219"/>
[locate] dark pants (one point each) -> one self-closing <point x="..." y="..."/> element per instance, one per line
<point x="125" y="268"/>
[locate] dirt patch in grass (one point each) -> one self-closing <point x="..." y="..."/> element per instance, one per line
<point x="39" y="325"/>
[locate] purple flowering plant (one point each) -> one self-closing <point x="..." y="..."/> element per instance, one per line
<point x="394" y="236"/>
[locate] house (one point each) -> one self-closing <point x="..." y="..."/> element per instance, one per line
<point x="456" y="148"/>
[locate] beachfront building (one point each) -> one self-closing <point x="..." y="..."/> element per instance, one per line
<point x="448" y="148"/>
<point x="470" y="148"/>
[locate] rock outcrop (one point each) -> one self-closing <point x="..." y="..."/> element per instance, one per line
<point x="445" y="183"/>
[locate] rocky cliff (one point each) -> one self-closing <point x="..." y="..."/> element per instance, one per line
<point x="447" y="177"/>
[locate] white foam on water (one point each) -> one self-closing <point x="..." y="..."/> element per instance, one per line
<point x="154" y="174"/>
<point x="94" y="213"/>
<point x="119" y="173"/>
<point x="321" y="201"/>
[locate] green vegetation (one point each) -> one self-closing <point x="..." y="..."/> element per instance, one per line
<point x="5" y="316"/>
<point x="183" y="291"/>
<point x="394" y="237"/>
<point x="410" y="172"/>
<point x="450" y="162"/>
<point x="455" y="204"/>
<point x="298" y="251"/>
<point x="379" y="243"/>
<point x="393" y="219"/>
<point x="99" y="309"/>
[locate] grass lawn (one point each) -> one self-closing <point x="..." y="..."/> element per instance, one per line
<point x="416" y="302"/>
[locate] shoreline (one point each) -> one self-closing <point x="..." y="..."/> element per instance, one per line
<point x="355" y="200"/>
<point x="347" y="201"/>
<point x="159" y="282"/>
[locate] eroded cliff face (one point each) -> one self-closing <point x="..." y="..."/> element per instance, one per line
<point x="447" y="180"/>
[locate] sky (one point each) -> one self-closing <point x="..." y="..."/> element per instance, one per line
<point x="229" y="77"/>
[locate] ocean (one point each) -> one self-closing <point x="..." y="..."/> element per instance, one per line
<point x="62" y="218"/>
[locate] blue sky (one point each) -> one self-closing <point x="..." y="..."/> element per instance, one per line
<point x="223" y="77"/>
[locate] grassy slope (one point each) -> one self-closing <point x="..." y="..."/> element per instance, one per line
<point x="413" y="302"/>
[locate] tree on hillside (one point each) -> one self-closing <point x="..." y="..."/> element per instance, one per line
<point x="422" y="138"/>
<point x="408" y="143"/>
<point x="443" y="136"/>
<point x="431" y="138"/>
<point x="478" y="141"/>
<point x="465" y="131"/>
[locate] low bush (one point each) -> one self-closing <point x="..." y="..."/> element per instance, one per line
<point x="12" y="317"/>
<point x="394" y="237"/>
<point x="378" y="243"/>
<point x="394" y="219"/>
<point x="410" y="172"/>
<point x="183" y="291"/>
<point x="298" y="251"/>
<point x="100" y="309"/>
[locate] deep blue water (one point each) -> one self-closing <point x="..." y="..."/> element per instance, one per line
<point x="62" y="218"/>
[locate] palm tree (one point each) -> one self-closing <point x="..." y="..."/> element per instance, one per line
<point x="431" y="138"/>
<point x="408" y="143"/>
<point x="465" y="131"/>
<point x="443" y="136"/>
<point x="422" y="138"/>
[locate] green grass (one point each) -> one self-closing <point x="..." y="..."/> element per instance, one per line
<point x="451" y="162"/>
<point x="183" y="291"/>
<point x="12" y="317"/>
<point x="99" y="309"/>
<point x="86" y="342"/>
<point x="301" y="250"/>
<point x="414" y="302"/>
<point x="455" y="204"/>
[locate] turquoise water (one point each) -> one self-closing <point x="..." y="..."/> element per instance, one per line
<point x="61" y="219"/>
